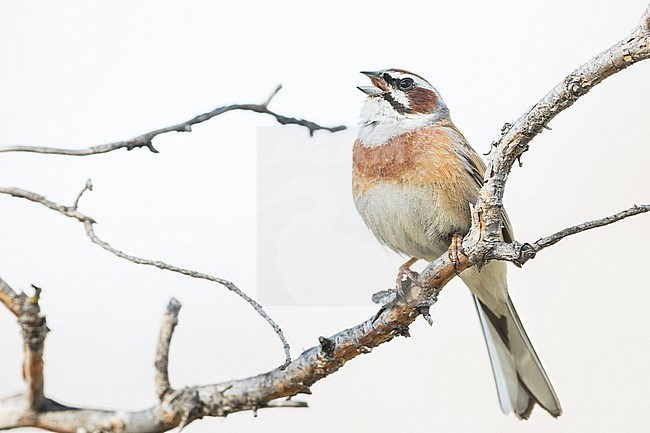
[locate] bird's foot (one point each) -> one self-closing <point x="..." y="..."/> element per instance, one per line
<point x="405" y="275"/>
<point x="455" y="249"/>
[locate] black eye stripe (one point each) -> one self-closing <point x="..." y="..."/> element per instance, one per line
<point x="396" y="105"/>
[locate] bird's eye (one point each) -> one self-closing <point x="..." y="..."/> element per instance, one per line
<point x="406" y="84"/>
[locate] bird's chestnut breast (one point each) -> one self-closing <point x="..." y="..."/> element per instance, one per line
<point x="389" y="162"/>
<point x="426" y="156"/>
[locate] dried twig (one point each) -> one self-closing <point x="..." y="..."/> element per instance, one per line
<point x="146" y="139"/>
<point x="519" y="253"/>
<point x="87" y="187"/>
<point x="72" y="212"/>
<point x="557" y="237"/>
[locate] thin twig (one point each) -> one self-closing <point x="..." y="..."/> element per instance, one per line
<point x="87" y="187"/>
<point x="89" y="222"/>
<point x="557" y="237"/>
<point x="272" y="95"/>
<point x="146" y="140"/>
<point x="520" y="253"/>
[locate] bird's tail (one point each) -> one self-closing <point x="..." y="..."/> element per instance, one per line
<point x="520" y="378"/>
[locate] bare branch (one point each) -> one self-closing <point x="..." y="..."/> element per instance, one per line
<point x="194" y="274"/>
<point x="170" y="320"/>
<point x="557" y="237"/>
<point x="34" y="328"/>
<point x="9" y="298"/>
<point x="69" y="211"/>
<point x="181" y="407"/>
<point x="34" y="331"/>
<point x="519" y="253"/>
<point x="89" y="223"/>
<point x="146" y="140"/>
<point x="515" y="138"/>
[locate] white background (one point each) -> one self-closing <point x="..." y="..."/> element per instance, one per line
<point x="75" y="74"/>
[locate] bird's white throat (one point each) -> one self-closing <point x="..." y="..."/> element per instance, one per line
<point x="379" y="122"/>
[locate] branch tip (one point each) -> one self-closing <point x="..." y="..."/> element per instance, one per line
<point x="272" y="95"/>
<point x="87" y="187"/>
<point x="174" y="306"/>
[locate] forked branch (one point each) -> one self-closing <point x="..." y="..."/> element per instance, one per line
<point x="515" y="138"/>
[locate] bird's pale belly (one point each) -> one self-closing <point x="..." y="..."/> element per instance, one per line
<point x="409" y="220"/>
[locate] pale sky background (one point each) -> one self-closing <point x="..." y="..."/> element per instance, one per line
<point x="75" y="74"/>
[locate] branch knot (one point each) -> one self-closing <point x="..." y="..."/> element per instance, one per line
<point x="327" y="346"/>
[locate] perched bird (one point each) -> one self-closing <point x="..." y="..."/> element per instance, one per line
<point x="414" y="177"/>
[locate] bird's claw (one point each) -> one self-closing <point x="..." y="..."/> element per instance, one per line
<point x="405" y="277"/>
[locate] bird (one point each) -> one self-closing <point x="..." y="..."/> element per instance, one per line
<point x="414" y="178"/>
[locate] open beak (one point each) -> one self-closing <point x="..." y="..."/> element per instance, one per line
<point x="379" y="85"/>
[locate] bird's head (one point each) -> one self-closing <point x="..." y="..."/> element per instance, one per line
<point x="398" y="101"/>
<point x="406" y="92"/>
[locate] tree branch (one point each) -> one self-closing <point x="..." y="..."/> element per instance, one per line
<point x="175" y="409"/>
<point x="72" y="212"/>
<point x="146" y="139"/>
<point x="69" y="211"/>
<point x="515" y="138"/>
<point x="34" y="331"/>
<point x="32" y="322"/>
<point x="557" y="237"/>
<point x="8" y="298"/>
<point x="178" y="408"/>
<point x="519" y="253"/>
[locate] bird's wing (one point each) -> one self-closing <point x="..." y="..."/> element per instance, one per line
<point x="476" y="167"/>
